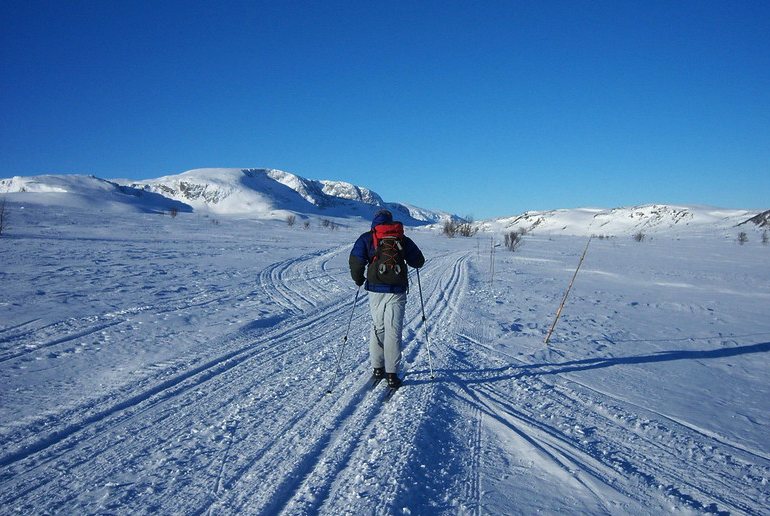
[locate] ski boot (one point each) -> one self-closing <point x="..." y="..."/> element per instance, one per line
<point x="394" y="382"/>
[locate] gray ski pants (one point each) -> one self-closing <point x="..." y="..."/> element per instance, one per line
<point x="385" y="340"/>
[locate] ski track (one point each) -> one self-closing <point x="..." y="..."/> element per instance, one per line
<point x="640" y="455"/>
<point x="100" y="420"/>
<point x="272" y="279"/>
<point x="200" y="421"/>
<point x="347" y="443"/>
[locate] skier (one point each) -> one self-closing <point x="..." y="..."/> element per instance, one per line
<point x="385" y="252"/>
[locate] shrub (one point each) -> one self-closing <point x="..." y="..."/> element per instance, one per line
<point x="742" y="237"/>
<point x="513" y="240"/>
<point x="450" y="228"/>
<point x="3" y="216"/>
<point x="453" y="228"/>
<point x="639" y="236"/>
<point x="328" y="224"/>
<point x="291" y="220"/>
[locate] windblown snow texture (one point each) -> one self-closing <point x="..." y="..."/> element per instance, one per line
<point x="152" y="364"/>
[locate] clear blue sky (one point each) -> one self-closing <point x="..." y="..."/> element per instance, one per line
<point x="483" y="108"/>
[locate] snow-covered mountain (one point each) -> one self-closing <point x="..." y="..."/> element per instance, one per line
<point x="651" y="218"/>
<point x="761" y="220"/>
<point x="262" y="193"/>
<point x="272" y="193"/>
<point x="90" y="191"/>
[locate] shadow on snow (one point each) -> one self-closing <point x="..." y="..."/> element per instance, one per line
<point x="471" y="375"/>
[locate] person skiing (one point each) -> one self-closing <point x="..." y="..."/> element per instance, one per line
<point x="384" y="252"/>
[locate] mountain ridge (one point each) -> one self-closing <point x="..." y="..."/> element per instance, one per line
<point x="275" y="194"/>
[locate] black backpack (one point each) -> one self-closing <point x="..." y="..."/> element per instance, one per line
<point x="388" y="265"/>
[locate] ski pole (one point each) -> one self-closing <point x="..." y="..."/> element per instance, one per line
<point x="344" y="341"/>
<point x="425" y="325"/>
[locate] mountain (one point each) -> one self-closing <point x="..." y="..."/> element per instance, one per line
<point x="89" y="191"/>
<point x="761" y="220"/>
<point x="262" y="193"/>
<point x="274" y="193"/>
<point x="651" y="218"/>
<point x="271" y="193"/>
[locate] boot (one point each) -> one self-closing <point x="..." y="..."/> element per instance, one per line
<point x="394" y="382"/>
<point x="379" y="373"/>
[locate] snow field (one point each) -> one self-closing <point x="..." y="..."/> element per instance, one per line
<point x="152" y="364"/>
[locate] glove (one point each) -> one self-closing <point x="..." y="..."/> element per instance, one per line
<point x="359" y="282"/>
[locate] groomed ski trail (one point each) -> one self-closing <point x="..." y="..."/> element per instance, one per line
<point x="244" y="424"/>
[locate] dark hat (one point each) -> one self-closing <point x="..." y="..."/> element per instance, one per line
<point x="382" y="217"/>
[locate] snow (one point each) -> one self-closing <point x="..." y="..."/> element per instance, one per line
<point x="648" y="219"/>
<point x="275" y="194"/>
<point x="152" y="364"/>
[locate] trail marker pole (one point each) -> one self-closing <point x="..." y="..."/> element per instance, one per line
<point x="561" y="306"/>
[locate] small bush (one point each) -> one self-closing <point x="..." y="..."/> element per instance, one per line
<point x="3" y="216"/>
<point x="306" y="225"/>
<point x="453" y="228"/>
<point x="450" y="228"/>
<point x="513" y="240"/>
<point x="743" y="237"/>
<point x="328" y="224"/>
<point x="174" y="211"/>
<point x="765" y="239"/>
<point x="291" y="220"/>
<point x="639" y="236"/>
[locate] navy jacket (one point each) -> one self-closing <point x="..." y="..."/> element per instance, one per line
<point x="363" y="252"/>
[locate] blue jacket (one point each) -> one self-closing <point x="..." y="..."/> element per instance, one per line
<point x="363" y="252"/>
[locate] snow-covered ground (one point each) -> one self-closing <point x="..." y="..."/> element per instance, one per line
<point x="151" y="364"/>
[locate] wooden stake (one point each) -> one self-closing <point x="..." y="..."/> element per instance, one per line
<point x="561" y="306"/>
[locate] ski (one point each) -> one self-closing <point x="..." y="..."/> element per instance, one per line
<point x="389" y="394"/>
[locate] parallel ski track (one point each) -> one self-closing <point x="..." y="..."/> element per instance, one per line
<point x="273" y="281"/>
<point x="329" y="444"/>
<point x="93" y="427"/>
<point x="630" y="423"/>
<point x="642" y="456"/>
<point x="76" y="330"/>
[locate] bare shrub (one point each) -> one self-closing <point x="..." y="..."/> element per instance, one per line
<point x="742" y="237"/>
<point x="513" y="240"/>
<point x="291" y="220"/>
<point x="306" y="225"/>
<point x="639" y="236"/>
<point x="450" y="228"/>
<point x="330" y="225"/>
<point x="765" y="239"/>
<point x="174" y="211"/>
<point x="3" y="216"/>
<point x="465" y="228"/>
